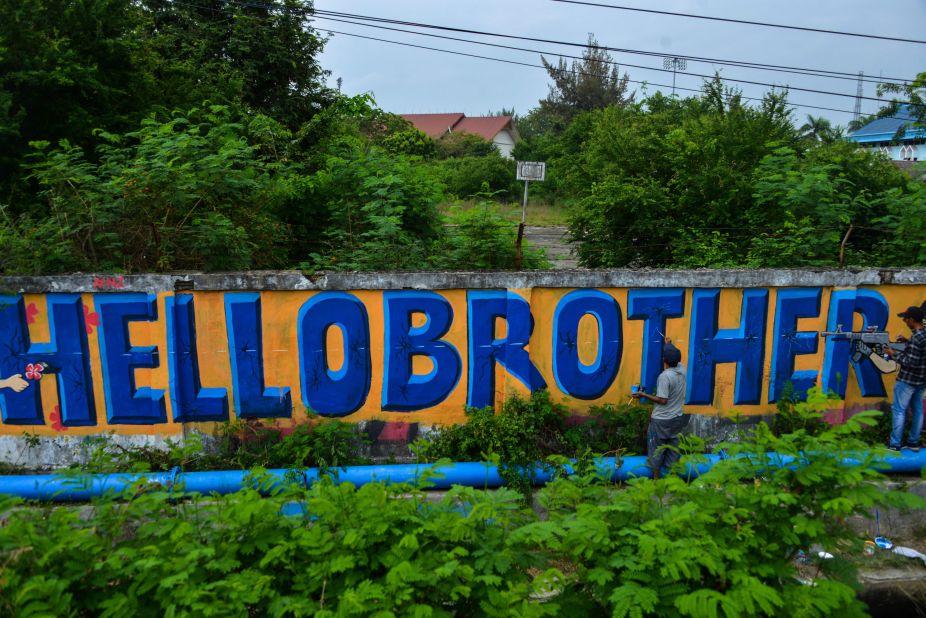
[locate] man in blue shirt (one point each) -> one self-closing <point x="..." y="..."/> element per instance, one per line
<point x="911" y="382"/>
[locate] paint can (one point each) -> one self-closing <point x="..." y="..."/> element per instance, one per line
<point x="870" y="548"/>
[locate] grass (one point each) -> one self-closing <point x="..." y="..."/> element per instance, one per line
<point x="538" y="213"/>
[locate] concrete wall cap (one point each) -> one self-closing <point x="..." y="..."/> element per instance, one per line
<point x="615" y="278"/>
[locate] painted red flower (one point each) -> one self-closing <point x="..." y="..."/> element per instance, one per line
<point x="34" y="371"/>
<point x="91" y="319"/>
<point x="55" y="418"/>
<point x="31" y="312"/>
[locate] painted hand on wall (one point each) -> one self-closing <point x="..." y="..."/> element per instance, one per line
<point x="15" y="382"/>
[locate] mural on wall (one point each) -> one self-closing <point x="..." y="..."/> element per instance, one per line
<point x="140" y="363"/>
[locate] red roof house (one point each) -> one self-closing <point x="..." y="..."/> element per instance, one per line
<point x="497" y="129"/>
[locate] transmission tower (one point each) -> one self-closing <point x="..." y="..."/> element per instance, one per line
<point x="676" y="64"/>
<point x="857" y="112"/>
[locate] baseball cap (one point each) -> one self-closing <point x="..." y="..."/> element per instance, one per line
<point x="914" y="313"/>
<point x="671" y="354"/>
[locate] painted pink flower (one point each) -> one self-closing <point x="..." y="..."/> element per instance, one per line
<point x="55" y="418"/>
<point x="91" y="319"/>
<point x="34" y="371"/>
<point x="31" y="312"/>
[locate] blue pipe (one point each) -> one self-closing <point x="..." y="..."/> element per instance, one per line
<point x="83" y="487"/>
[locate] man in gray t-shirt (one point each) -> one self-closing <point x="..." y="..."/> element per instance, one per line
<point x="667" y="419"/>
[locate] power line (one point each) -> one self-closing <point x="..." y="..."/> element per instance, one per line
<point x="335" y="15"/>
<point x="625" y="64"/>
<point x="525" y="49"/>
<point x="540" y="66"/>
<point x="308" y="13"/>
<point x="743" y="21"/>
<point x="744" y="64"/>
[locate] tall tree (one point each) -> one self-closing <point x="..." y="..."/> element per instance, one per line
<point x="594" y="82"/>
<point x="820" y="129"/>
<point x="66" y="68"/>
<point x="262" y="55"/>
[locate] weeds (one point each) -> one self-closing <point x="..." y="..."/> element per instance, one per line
<point x="720" y="545"/>
<point x="320" y="443"/>
<point x="526" y="432"/>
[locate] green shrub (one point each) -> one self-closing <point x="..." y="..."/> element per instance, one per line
<point x="376" y="550"/>
<point x="408" y="141"/>
<point x="468" y="176"/>
<point x="241" y="445"/>
<point x="378" y="211"/>
<point x="792" y="415"/>
<point x="30" y="246"/>
<point x="481" y="239"/>
<point x="522" y="434"/>
<point x="611" y="428"/>
<point x="723" y="544"/>
<point x="726" y="542"/>
<point x="455" y="145"/>
<point x="185" y="192"/>
<point x="526" y="432"/>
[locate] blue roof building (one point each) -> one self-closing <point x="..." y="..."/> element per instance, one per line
<point x="880" y="134"/>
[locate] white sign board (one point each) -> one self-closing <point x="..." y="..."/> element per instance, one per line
<point x="532" y="170"/>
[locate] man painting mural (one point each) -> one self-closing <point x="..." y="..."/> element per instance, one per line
<point x="667" y="420"/>
<point x="911" y="382"/>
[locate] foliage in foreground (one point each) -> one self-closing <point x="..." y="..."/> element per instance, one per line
<point x="722" y="544"/>
<point x="527" y="431"/>
<point x="318" y="443"/>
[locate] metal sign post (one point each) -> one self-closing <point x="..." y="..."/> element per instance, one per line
<point x="527" y="171"/>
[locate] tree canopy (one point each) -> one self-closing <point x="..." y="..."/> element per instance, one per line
<point x="140" y="135"/>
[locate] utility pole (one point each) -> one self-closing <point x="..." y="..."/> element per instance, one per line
<point x="675" y="64"/>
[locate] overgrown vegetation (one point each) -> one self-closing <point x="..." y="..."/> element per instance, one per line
<point x="665" y="547"/>
<point x="525" y="432"/>
<point x="711" y="181"/>
<point x="318" y="443"/>
<point x="793" y="416"/>
<point x="156" y="136"/>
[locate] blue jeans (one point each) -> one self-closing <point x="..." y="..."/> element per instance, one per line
<point x="906" y="396"/>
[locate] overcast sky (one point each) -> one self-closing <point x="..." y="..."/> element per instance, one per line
<point x="409" y="80"/>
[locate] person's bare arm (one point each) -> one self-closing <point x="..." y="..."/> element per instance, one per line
<point x="660" y="400"/>
<point x="15" y="382"/>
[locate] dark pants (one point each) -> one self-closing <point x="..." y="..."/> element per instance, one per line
<point x="662" y="443"/>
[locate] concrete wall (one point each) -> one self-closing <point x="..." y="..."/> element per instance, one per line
<point x="153" y="356"/>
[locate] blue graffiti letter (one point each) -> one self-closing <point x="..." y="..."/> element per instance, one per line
<point x="67" y="356"/>
<point x="485" y="350"/>
<point x="191" y="402"/>
<point x="341" y="392"/>
<point x="844" y="304"/>
<point x="253" y="399"/>
<point x="709" y="346"/>
<point x="124" y="402"/>
<point x="653" y="306"/>
<point x="573" y="377"/>
<point x="789" y="342"/>
<point x="404" y="391"/>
